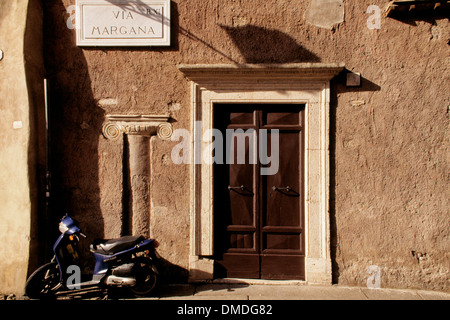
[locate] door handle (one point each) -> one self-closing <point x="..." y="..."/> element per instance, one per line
<point x="287" y="188"/>
<point x="241" y="187"/>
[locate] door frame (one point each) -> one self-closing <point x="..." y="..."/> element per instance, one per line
<point x="301" y="83"/>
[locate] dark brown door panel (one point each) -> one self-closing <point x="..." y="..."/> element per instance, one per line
<point x="258" y="219"/>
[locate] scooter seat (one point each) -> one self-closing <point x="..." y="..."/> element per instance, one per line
<point x="113" y="246"/>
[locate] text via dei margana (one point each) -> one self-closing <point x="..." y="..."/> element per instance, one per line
<point x="128" y="28"/>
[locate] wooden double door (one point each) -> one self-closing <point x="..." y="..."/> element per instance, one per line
<point x="259" y="216"/>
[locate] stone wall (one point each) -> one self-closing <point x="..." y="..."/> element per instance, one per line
<point x="389" y="136"/>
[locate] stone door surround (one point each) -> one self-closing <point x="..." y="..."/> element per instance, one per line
<point x="298" y="83"/>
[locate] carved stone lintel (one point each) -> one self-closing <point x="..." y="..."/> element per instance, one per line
<point x="206" y="73"/>
<point x="146" y="125"/>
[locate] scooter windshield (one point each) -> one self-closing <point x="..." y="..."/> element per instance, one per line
<point x="68" y="225"/>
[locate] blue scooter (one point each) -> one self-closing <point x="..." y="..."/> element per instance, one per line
<point x="123" y="262"/>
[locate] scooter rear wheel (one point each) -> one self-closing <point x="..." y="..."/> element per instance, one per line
<point x="146" y="277"/>
<point x="43" y="282"/>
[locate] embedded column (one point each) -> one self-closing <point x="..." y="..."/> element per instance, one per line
<point x="138" y="130"/>
<point x="139" y="181"/>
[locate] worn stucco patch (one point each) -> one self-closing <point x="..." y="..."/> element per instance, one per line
<point x="325" y="13"/>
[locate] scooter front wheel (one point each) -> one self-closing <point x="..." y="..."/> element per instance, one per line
<point x="146" y="277"/>
<point x="43" y="282"/>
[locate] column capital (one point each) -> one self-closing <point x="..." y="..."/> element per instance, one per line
<point x="143" y="124"/>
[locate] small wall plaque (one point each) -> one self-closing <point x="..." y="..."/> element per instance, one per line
<point x="123" y="22"/>
<point x="353" y="79"/>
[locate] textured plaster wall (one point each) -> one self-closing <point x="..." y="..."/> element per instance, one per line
<point x="389" y="137"/>
<point x="21" y="72"/>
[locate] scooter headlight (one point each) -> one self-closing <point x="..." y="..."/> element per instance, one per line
<point x="62" y="227"/>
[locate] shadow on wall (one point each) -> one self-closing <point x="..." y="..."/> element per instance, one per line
<point x="74" y="127"/>
<point x="338" y="85"/>
<point x="35" y="73"/>
<point x="171" y="273"/>
<point x="260" y="45"/>
<point x="256" y="44"/>
<point x="426" y="12"/>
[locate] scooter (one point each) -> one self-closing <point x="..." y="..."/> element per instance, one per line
<point x="127" y="262"/>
